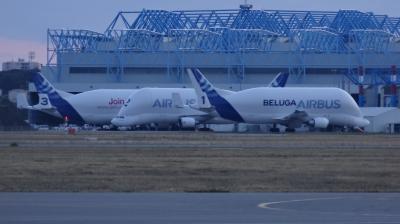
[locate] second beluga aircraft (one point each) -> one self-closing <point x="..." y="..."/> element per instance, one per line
<point x="291" y="107"/>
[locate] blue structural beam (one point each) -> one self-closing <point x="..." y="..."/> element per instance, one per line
<point x="390" y="25"/>
<point x="142" y="40"/>
<point x="348" y="20"/>
<point x="158" y="21"/>
<point x="120" y="22"/>
<point x="370" y="40"/>
<point x="248" y="39"/>
<point x="59" y="41"/>
<point x="257" y="19"/>
<point x="195" y="39"/>
<point x="76" y="40"/>
<point x="206" y="19"/>
<point x="309" y="21"/>
<point x="318" y="40"/>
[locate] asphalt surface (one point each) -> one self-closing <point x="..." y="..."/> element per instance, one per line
<point x="327" y="208"/>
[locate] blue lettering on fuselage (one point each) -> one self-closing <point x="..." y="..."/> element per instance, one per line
<point x="319" y="104"/>
<point x="167" y="103"/>
<point x="279" y="103"/>
<point x="304" y="104"/>
<point x="162" y="103"/>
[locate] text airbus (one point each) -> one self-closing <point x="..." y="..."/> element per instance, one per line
<point x="167" y="103"/>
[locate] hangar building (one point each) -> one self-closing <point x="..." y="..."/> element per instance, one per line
<point x="236" y="49"/>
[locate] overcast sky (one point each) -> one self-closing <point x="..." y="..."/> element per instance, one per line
<point x="23" y="23"/>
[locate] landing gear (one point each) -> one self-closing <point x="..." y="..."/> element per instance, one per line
<point x="274" y="129"/>
<point x="174" y="127"/>
<point x="290" y="130"/>
<point x="204" y="127"/>
<point x="153" y="127"/>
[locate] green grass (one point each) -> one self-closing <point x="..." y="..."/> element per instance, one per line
<point x="227" y="163"/>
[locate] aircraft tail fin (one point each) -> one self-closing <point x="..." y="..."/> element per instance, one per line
<point x="44" y="102"/>
<point x="51" y="98"/>
<point x="208" y="97"/>
<point x="280" y="80"/>
<point x="42" y="85"/>
<point x="201" y="86"/>
<point x="46" y="92"/>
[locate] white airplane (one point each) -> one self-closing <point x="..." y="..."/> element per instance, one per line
<point x="96" y="107"/>
<point x="168" y="106"/>
<point x="291" y="107"/>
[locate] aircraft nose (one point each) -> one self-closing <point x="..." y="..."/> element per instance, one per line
<point x="366" y="122"/>
<point x="362" y="122"/>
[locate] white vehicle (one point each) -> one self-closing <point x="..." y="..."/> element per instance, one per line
<point x="291" y="107"/>
<point x="159" y="106"/>
<point x="96" y="107"/>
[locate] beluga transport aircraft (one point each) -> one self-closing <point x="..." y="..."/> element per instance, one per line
<point x="159" y="107"/>
<point x="96" y="107"/>
<point x="291" y="107"/>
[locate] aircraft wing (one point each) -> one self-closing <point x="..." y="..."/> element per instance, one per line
<point x="197" y="114"/>
<point x="190" y="111"/>
<point x="294" y="120"/>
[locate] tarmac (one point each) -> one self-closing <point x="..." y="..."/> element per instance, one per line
<point x="293" y="208"/>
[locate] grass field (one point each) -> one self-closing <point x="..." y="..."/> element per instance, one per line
<point x="198" y="162"/>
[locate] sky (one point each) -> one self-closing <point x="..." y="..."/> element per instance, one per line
<point x="23" y="23"/>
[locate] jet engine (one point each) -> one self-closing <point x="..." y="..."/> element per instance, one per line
<point x="188" y="122"/>
<point x="319" y="122"/>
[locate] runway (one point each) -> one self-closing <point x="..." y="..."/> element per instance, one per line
<point x="293" y="208"/>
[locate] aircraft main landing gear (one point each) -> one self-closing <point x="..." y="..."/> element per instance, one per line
<point x="274" y="129"/>
<point x="290" y="130"/>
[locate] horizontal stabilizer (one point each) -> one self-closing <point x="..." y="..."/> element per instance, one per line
<point x="22" y="101"/>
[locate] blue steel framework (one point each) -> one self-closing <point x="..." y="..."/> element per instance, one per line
<point x="235" y="32"/>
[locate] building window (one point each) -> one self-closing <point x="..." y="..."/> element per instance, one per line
<point x="87" y="70"/>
